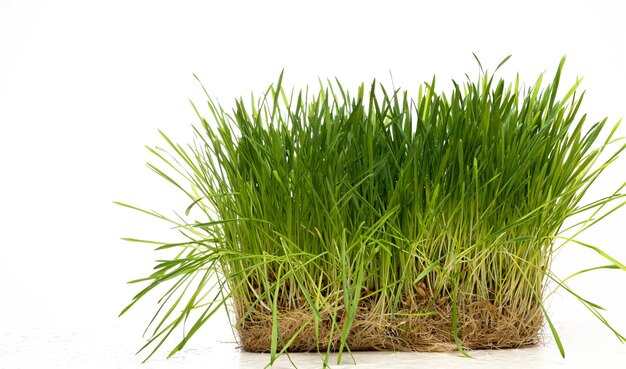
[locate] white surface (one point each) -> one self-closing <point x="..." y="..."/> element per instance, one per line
<point x="84" y="85"/>
<point x="113" y="347"/>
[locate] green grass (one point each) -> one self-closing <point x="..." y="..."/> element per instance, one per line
<point x="331" y="199"/>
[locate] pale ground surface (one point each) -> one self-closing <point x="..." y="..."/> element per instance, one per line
<point x="112" y="346"/>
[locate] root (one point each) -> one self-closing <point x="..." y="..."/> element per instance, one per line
<point x="479" y="327"/>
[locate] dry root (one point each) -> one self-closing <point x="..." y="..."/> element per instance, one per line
<point x="480" y="327"/>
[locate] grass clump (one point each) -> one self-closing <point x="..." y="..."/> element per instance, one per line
<point x="338" y="222"/>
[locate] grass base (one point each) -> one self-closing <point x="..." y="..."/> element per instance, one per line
<point x="480" y="326"/>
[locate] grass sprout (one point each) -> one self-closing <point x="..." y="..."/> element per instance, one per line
<point x="335" y="221"/>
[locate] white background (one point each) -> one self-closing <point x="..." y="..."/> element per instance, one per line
<point x="84" y="85"/>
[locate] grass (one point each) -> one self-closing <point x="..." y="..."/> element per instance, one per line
<point x="375" y="208"/>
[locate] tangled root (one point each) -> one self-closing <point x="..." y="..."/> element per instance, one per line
<point x="480" y="326"/>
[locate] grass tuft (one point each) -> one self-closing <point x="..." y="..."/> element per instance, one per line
<point x="337" y="222"/>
